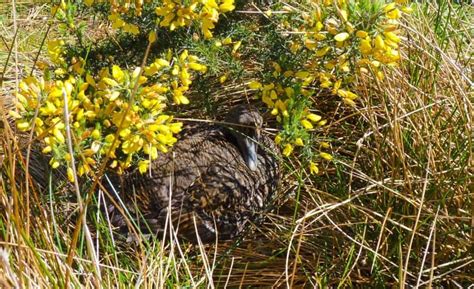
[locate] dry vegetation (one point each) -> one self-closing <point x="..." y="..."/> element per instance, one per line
<point x="394" y="208"/>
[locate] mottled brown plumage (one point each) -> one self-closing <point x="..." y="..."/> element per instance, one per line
<point x="210" y="179"/>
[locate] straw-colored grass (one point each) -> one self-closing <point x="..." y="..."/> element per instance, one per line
<point x="394" y="208"/>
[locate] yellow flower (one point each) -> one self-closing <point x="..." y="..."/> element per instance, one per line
<point x="362" y="34"/>
<point x="313" y="168"/>
<point x="393" y="13"/>
<point x="55" y="50"/>
<point x="14" y="114"/>
<point x="348" y="101"/>
<point x="223" y="78"/>
<point x="299" y="142"/>
<point x="77" y="65"/>
<point x="98" y="112"/>
<point x="152" y="37"/>
<point x="59" y="137"/>
<point x="176" y="127"/>
<point x="54" y="163"/>
<point x="346" y="94"/>
<point x="324" y="144"/>
<point x="276" y="66"/>
<point x="117" y="22"/>
<point x="206" y="27"/>
<point x="306" y="124"/>
<point x="226" y="6"/>
<point x="227" y="41"/>
<point x="389" y="7"/>
<point x="47" y="149"/>
<point x="255" y="85"/>
<point x="310" y="44"/>
<point x="289" y="91"/>
<point x="96" y="134"/>
<point x="197" y="67"/>
<point x="269" y="86"/>
<point x="325" y="156"/>
<point x="365" y="47"/>
<point x="392" y="36"/>
<point x="287" y="150"/>
<point x="341" y="36"/>
<point x="273" y="94"/>
<point x="236" y="46"/>
<point x="379" y="43"/>
<point x="302" y="74"/>
<point x="90" y="80"/>
<point x="131" y="28"/>
<point x="344" y="14"/>
<point x="323" y="51"/>
<point x="179" y="97"/>
<point x="380" y="75"/>
<point x="278" y="139"/>
<point x="109" y="81"/>
<point x="118" y="74"/>
<point x="70" y="174"/>
<point x="152" y="151"/>
<point x="143" y="166"/>
<point x="313" y="117"/>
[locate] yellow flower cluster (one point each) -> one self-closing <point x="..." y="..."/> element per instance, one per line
<point x="122" y="6"/>
<point x="119" y="23"/>
<point x="341" y="40"/>
<point x="288" y="97"/>
<point x="66" y="10"/>
<point x="56" y="54"/>
<point x="55" y="51"/>
<point x="180" y="74"/>
<point x="180" y="13"/>
<point x="344" y="40"/>
<point x="172" y="13"/>
<point x="280" y="93"/>
<point x="104" y="118"/>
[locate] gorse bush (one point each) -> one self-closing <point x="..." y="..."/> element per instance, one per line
<point x="121" y="114"/>
<point x="116" y="114"/>
<point x="341" y="41"/>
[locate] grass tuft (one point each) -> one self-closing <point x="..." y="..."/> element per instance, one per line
<point x="394" y="208"/>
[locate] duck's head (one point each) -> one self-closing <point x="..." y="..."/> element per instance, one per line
<point x="246" y="130"/>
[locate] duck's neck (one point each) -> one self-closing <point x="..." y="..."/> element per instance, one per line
<point x="246" y="146"/>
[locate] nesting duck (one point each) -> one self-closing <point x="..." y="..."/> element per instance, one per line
<point x="214" y="181"/>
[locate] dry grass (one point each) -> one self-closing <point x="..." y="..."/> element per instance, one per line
<point x="395" y="207"/>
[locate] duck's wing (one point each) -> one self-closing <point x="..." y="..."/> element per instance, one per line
<point x="219" y="201"/>
<point x="179" y="180"/>
<point x="269" y="172"/>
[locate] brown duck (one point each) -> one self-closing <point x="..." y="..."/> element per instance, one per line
<point x="215" y="180"/>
